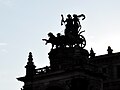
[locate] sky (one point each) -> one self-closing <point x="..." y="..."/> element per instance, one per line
<point x="24" y="23"/>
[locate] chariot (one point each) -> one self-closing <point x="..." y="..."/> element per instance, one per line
<point x="72" y="36"/>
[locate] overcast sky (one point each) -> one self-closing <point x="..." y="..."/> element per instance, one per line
<point x="24" y="23"/>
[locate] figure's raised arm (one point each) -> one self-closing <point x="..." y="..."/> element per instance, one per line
<point x="62" y="19"/>
<point x="45" y="40"/>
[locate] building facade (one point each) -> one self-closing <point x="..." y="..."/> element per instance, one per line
<point x="109" y="64"/>
<point x="69" y="69"/>
<point x="74" y="72"/>
<point x="71" y="66"/>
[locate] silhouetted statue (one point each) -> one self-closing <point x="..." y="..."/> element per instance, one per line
<point x="61" y="40"/>
<point x="76" y="24"/>
<point x="52" y="39"/>
<point x="109" y="50"/>
<point x="92" y="54"/>
<point x="72" y="34"/>
<point x="69" y="24"/>
<point x="73" y="25"/>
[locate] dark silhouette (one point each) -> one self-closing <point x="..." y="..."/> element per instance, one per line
<point x="72" y="35"/>
<point x="52" y="39"/>
<point x="69" y="24"/>
<point x="92" y="54"/>
<point x="71" y="66"/>
<point x="76" y="25"/>
<point x="109" y="50"/>
<point x="69" y="40"/>
<point x="72" y="24"/>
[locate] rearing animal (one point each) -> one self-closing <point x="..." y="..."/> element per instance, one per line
<point x="52" y="39"/>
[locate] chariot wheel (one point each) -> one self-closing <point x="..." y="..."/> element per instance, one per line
<point x="82" y="41"/>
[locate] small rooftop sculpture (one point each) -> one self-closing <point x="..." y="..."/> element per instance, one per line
<point x="72" y="33"/>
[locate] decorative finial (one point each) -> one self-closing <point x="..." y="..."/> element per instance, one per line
<point x="109" y="50"/>
<point x="30" y="67"/>
<point x="30" y="59"/>
<point x="92" y="54"/>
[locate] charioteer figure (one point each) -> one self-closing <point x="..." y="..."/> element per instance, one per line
<point x="76" y="25"/>
<point x="68" y="23"/>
